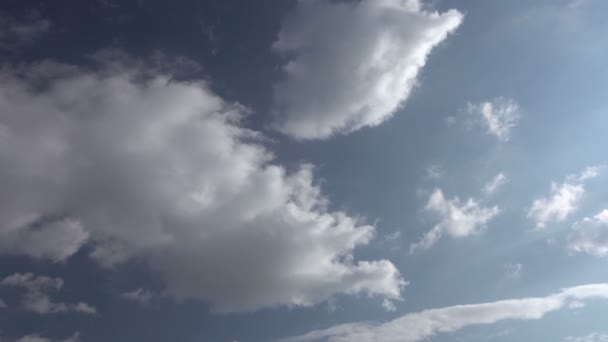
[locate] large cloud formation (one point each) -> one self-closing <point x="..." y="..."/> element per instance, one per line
<point x="352" y="64"/>
<point x="420" y="326"/>
<point x="140" y="165"/>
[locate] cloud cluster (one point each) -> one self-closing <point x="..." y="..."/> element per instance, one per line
<point x="37" y="299"/>
<point x="352" y="64"/>
<point x="498" y="116"/>
<point x="422" y="325"/>
<point x="140" y="165"/>
<point x="590" y="235"/>
<point x="563" y="200"/>
<point x="456" y="218"/>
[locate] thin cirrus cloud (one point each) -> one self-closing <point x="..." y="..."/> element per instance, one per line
<point x="457" y="219"/>
<point x="162" y="170"/>
<point x="590" y="235"/>
<point x="563" y="200"/>
<point x="426" y="324"/>
<point x="352" y="64"/>
<point x="498" y="116"/>
<point x="37" y="294"/>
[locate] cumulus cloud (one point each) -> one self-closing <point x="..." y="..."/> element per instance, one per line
<point x="495" y="184"/>
<point x="458" y="219"/>
<point x="37" y="299"/>
<point x="426" y="324"/>
<point x="352" y="64"/>
<point x="563" y="200"/>
<point x="499" y="116"/>
<point x="144" y="166"/>
<point x="590" y="235"/>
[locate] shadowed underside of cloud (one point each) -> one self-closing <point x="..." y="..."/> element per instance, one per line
<point x="422" y="325"/>
<point x="144" y="166"/>
<point x="352" y="64"/>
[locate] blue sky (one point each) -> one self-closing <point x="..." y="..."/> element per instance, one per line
<point x="312" y="170"/>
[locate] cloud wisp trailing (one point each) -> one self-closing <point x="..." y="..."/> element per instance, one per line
<point x="425" y="324"/>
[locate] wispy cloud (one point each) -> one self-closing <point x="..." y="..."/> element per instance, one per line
<point x="425" y="324"/>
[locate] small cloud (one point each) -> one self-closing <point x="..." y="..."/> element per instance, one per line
<point x="563" y="200"/>
<point x="37" y="294"/>
<point x="138" y="295"/>
<point x="496" y="183"/>
<point x="499" y="116"/>
<point x="434" y="172"/>
<point x="590" y="235"/>
<point x="456" y="218"/>
<point x="513" y="271"/>
<point x="388" y="305"/>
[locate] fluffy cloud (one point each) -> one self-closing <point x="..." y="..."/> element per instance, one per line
<point x="495" y="184"/>
<point x="426" y="324"/>
<point x="456" y="218"/>
<point x="498" y="116"/>
<point x="140" y="165"/>
<point x="37" y="299"/>
<point x="563" y="200"/>
<point x="352" y="64"/>
<point x="590" y="235"/>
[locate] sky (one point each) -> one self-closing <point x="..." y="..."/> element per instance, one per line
<point x="303" y="170"/>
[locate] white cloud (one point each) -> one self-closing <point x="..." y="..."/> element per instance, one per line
<point x="352" y="64"/>
<point x="138" y="295"/>
<point x="563" y="200"/>
<point x="456" y="218"/>
<point x="422" y="325"/>
<point x="37" y="299"/>
<point x="162" y="170"/>
<point x="590" y="235"/>
<point x="499" y="116"/>
<point x="592" y="337"/>
<point x="2" y="304"/>
<point x="495" y="184"/>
